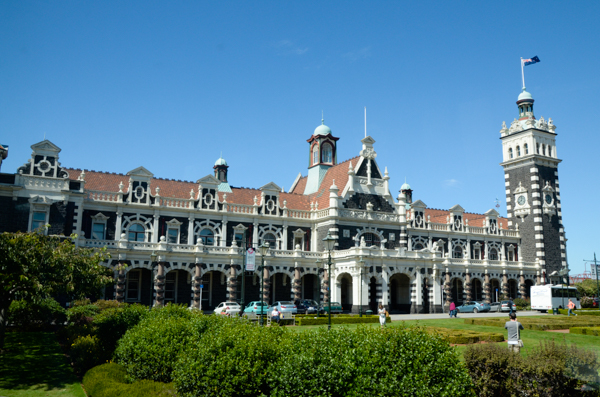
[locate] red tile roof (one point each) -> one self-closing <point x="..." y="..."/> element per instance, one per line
<point x="170" y="188"/>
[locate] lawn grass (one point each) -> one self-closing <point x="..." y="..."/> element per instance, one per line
<point x="33" y="365"/>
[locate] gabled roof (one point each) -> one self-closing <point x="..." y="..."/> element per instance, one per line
<point x="439" y="216"/>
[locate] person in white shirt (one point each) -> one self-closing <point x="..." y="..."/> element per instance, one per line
<point x="275" y="315"/>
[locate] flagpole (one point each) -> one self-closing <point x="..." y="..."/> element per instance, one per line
<point x="522" y="73"/>
<point x="365" y="121"/>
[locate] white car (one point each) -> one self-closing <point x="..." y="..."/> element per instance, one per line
<point x="228" y="309"/>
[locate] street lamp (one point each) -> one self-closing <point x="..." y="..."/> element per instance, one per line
<point x="329" y="242"/>
<point x="263" y="248"/>
<point x="153" y="258"/>
<point x="362" y="263"/>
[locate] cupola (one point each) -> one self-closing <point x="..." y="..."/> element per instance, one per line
<point x="525" y="104"/>
<point x="322" y="156"/>
<point x="220" y="168"/>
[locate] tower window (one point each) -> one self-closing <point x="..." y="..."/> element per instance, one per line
<point x="549" y="151"/>
<point x="315" y="154"/>
<point x="526" y="149"/>
<point x="537" y="148"/>
<point x="518" y="151"/>
<point x="510" y="153"/>
<point x="327" y="153"/>
<point x="543" y="150"/>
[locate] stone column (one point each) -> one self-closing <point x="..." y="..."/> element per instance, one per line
<point x="417" y="303"/>
<point x="539" y="279"/>
<point x="196" y="285"/>
<point x="120" y="287"/>
<point x="266" y="284"/>
<point x="522" y="290"/>
<point x="159" y="285"/>
<point x="447" y="289"/>
<point x="232" y="283"/>
<point x="191" y="240"/>
<point x="487" y="288"/>
<point x="468" y="286"/>
<point x="505" y="286"/>
<point x="297" y="284"/>
<point x="325" y="286"/>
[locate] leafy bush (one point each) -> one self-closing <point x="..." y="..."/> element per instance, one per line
<point x="87" y="352"/>
<point x="368" y="362"/>
<point x="111" y="324"/>
<point x="150" y="349"/>
<point x="233" y="360"/>
<point x="587" y="302"/>
<point x="108" y="304"/>
<point x="548" y="370"/>
<point x="108" y="380"/>
<point x="28" y="316"/>
<point x="323" y="319"/>
<point x="522" y="304"/>
<point x="82" y="314"/>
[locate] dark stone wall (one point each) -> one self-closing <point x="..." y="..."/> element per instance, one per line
<point x="551" y="224"/>
<point x="14" y="214"/>
<point x="290" y="237"/>
<point x="231" y="232"/>
<point x="183" y="228"/>
<point x="111" y="222"/>
<point x="527" y="227"/>
<point x="348" y="242"/>
<point x="360" y="200"/>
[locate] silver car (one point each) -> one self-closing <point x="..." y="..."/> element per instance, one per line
<point x="284" y="307"/>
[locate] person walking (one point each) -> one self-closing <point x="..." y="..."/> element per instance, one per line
<point x="510" y="306"/>
<point x="571" y="306"/>
<point x="452" y="309"/>
<point x="382" y="315"/>
<point x="514" y="335"/>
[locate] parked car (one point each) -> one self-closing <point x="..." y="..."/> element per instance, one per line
<point x="495" y="307"/>
<point x="505" y="307"/>
<point x="308" y="306"/>
<point x="284" y="307"/>
<point x="255" y="308"/>
<point x="336" y="307"/>
<point x="228" y="309"/>
<point x="473" y="307"/>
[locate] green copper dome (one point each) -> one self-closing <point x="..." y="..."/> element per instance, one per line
<point x="322" y="129"/>
<point x="221" y="161"/>
<point x="524" y="96"/>
<point x="405" y="186"/>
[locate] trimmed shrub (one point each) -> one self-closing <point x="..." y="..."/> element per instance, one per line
<point x="323" y="319"/>
<point x="461" y="337"/>
<point x="108" y="304"/>
<point x="368" y="362"/>
<point x="109" y="380"/>
<point x="235" y="360"/>
<point x="548" y="370"/>
<point x="87" y="352"/>
<point x="151" y="348"/>
<point x="112" y="323"/>
<point x="82" y="314"/>
<point x="35" y="315"/>
<point x="592" y="331"/>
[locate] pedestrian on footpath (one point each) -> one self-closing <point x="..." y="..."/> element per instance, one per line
<point x="452" y="309"/>
<point x="510" y="306"/>
<point x="571" y="306"/>
<point x="514" y="335"/>
<point x="382" y="315"/>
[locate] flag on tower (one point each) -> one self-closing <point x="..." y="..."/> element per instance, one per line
<point x="531" y="61"/>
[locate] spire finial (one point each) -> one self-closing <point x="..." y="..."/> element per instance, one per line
<point x="365" y="121"/>
<point x="322" y="118"/>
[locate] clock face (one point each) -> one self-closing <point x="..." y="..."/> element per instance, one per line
<point x="521" y="200"/>
<point x="549" y="199"/>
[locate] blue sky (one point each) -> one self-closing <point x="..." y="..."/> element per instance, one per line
<point x="171" y="85"/>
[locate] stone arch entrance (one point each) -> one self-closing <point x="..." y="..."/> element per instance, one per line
<point x="400" y="293"/>
<point x="178" y="287"/>
<point x="214" y="290"/>
<point x="310" y="287"/>
<point x="138" y="286"/>
<point x="372" y="305"/>
<point x="513" y="290"/>
<point x="281" y="288"/>
<point x="456" y="291"/>
<point x="251" y="287"/>
<point x="345" y="289"/>
<point x="528" y="285"/>
<point x="495" y="290"/>
<point x="477" y="290"/>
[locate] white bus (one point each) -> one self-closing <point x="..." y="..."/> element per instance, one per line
<point x="547" y="297"/>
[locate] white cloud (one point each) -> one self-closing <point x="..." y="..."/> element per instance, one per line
<point x="451" y="182"/>
<point x="289" y="47"/>
<point x="353" y="56"/>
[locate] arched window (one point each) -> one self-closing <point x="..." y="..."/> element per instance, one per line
<point x="549" y="151"/>
<point x="518" y="151"/>
<point x="418" y="247"/>
<point x="510" y="154"/>
<point x="207" y="236"/>
<point x="371" y="239"/>
<point x="543" y="150"/>
<point x="526" y="149"/>
<point x="493" y="254"/>
<point x="137" y="232"/>
<point x="457" y="253"/>
<point x="537" y="148"/>
<point x="271" y="240"/>
<point x="327" y="153"/>
<point x="315" y="154"/>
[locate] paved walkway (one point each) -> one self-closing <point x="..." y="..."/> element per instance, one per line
<point x="400" y="317"/>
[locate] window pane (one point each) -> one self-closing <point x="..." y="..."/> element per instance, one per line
<point x="38" y="220"/>
<point x="172" y="235"/>
<point x="271" y="240"/>
<point x="98" y="231"/>
<point x="207" y="237"/>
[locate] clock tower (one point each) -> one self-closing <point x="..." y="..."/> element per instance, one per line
<point x="530" y="165"/>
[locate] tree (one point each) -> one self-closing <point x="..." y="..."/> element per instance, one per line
<point x="34" y="266"/>
<point x="587" y="287"/>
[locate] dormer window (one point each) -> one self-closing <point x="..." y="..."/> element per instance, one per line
<point x="327" y="153"/>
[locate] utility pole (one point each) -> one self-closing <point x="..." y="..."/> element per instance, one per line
<point x="595" y="271"/>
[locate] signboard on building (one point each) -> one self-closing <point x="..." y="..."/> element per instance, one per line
<point x="250" y="259"/>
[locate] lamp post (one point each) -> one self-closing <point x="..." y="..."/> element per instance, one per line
<point x="362" y="263"/>
<point x="153" y="258"/>
<point x="264" y="248"/>
<point x="329" y="242"/>
<point x="245" y="248"/>
<point x="319" y="290"/>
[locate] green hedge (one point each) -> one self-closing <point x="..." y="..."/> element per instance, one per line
<point x="462" y="337"/>
<point x="35" y="315"/>
<point x="548" y="370"/>
<point x="581" y="312"/>
<point x="312" y="320"/>
<point x="541" y="324"/>
<point x="109" y="380"/>
<point x="592" y="331"/>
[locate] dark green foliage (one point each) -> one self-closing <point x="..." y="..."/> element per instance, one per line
<point x="112" y="323"/>
<point x="341" y="319"/>
<point x="150" y="349"/>
<point x="35" y="315"/>
<point x="233" y="360"/>
<point x="82" y="314"/>
<point x="109" y="380"/>
<point x="548" y="370"/>
<point x="87" y="352"/>
<point x="522" y="304"/>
